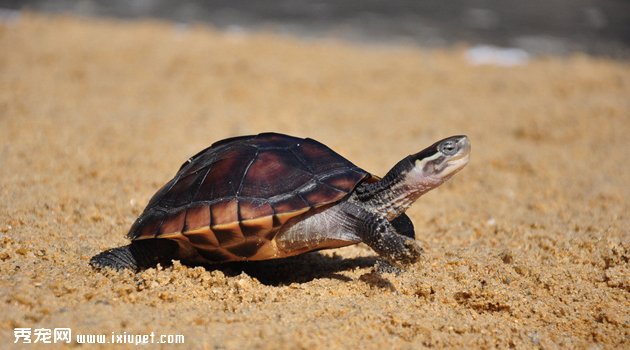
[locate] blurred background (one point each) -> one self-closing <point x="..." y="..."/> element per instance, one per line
<point x="597" y="27"/>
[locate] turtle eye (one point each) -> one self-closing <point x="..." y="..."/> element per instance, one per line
<point x="448" y="147"/>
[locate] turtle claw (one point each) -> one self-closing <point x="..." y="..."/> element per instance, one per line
<point x="412" y="253"/>
<point x="408" y="253"/>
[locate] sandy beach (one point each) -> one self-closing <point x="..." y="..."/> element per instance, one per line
<point x="527" y="247"/>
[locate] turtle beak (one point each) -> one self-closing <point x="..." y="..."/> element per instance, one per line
<point x="463" y="146"/>
<point x="454" y="163"/>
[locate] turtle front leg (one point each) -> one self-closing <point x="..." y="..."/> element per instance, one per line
<point x="391" y="245"/>
<point x="385" y="238"/>
<point x="138" y="255"/>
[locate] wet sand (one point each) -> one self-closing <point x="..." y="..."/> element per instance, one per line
<point x="527" y="247"/>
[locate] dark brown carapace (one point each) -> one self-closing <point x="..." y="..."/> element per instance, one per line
<point x="228" y="202"/>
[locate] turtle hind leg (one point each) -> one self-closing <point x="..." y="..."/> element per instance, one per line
<point x="138" y="255"/>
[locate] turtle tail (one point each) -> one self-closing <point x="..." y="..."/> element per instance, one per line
<point x="138" y="255"/>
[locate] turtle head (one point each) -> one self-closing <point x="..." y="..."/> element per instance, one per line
<point x="438" y="162"/>
<point x="415" y="175"/>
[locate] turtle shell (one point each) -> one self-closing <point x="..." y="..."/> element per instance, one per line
<point x="228" y="201"/>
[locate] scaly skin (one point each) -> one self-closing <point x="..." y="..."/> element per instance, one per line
<point x="138" y="255"/>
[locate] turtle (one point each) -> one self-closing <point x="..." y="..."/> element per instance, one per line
<point x="271" y="196"/>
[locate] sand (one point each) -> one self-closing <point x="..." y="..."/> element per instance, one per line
<point x="527" y="247"/>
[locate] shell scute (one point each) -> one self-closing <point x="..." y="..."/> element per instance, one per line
<point x="273" y="171"/>
<point x="173" y="223"/>
<point x="197" y="217"/>
<point x="288" y="203"/>
<point x="224" y="212"/>
<point x="228" y="235"/>
<point x="318" y="157"/>
<point x="148" y="227"/>
<point x="254" y="208"/>
<point x="248" y="248"/>
<point x="257" y="227"/>
<point x="256" y="217"/>
<point x="204" y="238"/>
<point x="343" y="181"/>
<point x="319" y="194"/>
<point x="222" y="176"/>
